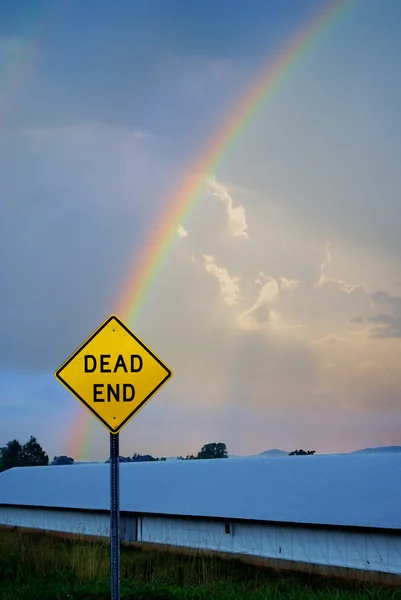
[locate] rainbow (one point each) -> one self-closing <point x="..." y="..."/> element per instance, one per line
<point x="183" y="200"/>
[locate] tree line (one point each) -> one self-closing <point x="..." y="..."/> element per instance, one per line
<point x="212" y="450"/>
<point x="31" y="454"/>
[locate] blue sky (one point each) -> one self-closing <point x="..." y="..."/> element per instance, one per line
<point x="290" y="262"/>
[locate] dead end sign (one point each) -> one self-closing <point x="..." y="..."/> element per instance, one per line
<point x="113" y="374"/>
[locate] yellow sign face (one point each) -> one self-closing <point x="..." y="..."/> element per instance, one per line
<point x="113" y="374"/>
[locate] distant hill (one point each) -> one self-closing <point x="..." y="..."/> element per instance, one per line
<point x="274" y="453"/>
<point x="380" y="450"/>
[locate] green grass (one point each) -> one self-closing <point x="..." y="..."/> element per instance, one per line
<point x="39" y="567"/>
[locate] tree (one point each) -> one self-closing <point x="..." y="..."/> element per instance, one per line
<point x="137" y="458"/>
<point x="188" y="457"/>
<point x="301" y="452"/>
<point x="30" y="454"/>
<point x="213" y="450"/>
<point x="62" y="460"/>
<point x="121" y="459"/>
<point x="33" y="454"/>
<point x="143" y="458"/>
<point x="11" y="456"/>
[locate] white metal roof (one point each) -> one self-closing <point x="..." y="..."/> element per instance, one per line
<point x="353" y="490"/>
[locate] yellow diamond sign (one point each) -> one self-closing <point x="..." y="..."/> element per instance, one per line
<point x="113" y="374"/>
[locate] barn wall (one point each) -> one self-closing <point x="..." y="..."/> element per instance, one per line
<point x="76" y="522"/>
<point x="84" y="523"/>
<point x="379" y="552"/>
<point x="366" y="551"/>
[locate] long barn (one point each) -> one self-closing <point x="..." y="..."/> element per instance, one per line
<point x="336" y="514"/>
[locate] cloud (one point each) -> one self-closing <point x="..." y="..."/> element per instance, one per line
<point x="289" y="284"/>
<point x="236" y="215"/>
<point x="381" y="297"/>
<point x="279" y="323"/>
<point x="182" y="232"/>
<point x="269" y="290"/>
<point x="388" y="322"/>
<point x="247" y="328"/>
<point x="348" y="288"/>
<point x="258" y="315"/>
<point x="229" y="286"/>
<point x="330" y="339"/>
<point x="389" y="327"/>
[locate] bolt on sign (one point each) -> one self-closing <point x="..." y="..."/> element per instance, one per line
<point x="113" y="374"/>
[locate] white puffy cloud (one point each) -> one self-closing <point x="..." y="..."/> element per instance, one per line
<point x="182" y="232"/>
<point x="229" y="286"/>
<point x="236" y="215"/>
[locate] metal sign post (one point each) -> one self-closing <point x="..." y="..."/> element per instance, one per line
<point x="114" y="375"/>
<point x="115" y="516"/>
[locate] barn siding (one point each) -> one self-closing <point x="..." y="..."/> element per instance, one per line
<point x="379" y="552"/>
<point x="366" y="551"/>
<point x="80" y="523"/>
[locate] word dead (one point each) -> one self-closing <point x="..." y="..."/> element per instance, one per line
<point x="103" y="392"/>
<point x="104" y="363"/>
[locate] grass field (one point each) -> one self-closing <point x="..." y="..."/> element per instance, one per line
<point x="39" y="567"/>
